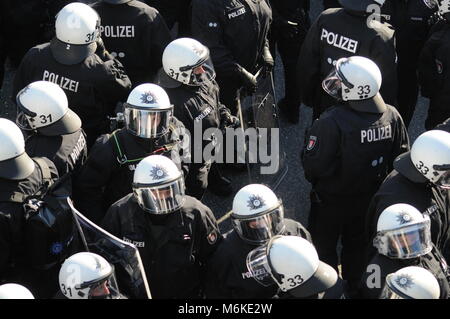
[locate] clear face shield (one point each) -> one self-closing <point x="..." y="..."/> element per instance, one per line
<point x="147" y="123"/>
<point x="407" y="242"/>
<point x="333" y="83"/>
<point x="258" y="265"/>
<point x="201" y="72"/>
<point x="102" y="288"/>
<point x="25" y="117"/>
<point x="259" y="229"/>
<point x="444" y="180"/>
<point x="162" y="199"/>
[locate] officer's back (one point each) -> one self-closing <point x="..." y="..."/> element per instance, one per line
<point x="135" y="34"/>
<point x="341" y="33"/>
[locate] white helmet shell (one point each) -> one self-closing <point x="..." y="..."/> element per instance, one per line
<point x="81" y="269"/>
<point x="429" y="151"/>
<point x="363" y="74"/>
<point x="15" y="291"/>
<point x="181" y="56"/>
<point x="149" y="95"/>
<point x="41" y="104"/>
<point x="77" y="23"/>
<point x="295" y="258"/>
<point x="11" y="137"/>
<point x="15" y="164"/>
<point x="414" y="283"/>
<point x="158" y="185"/>
<point x="156" y="170"/>
<point x="254" y="199"/>
<point x="399" y="215"/>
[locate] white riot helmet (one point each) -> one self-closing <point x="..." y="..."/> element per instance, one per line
<point x="186" y="61"/>
<point x="77" y="28"/>
<point x="158" y="185"/>
<point x="430" y="154"/>
<point x="88" y="276"/>
<point x="292" y="263"/>
<point x="43" y="106"/>
<point x="357" y="80"/>
<point x="15" y="291"/>
<point x="403" y="232"/>
<point x="411" y="283"/>
<point x="148" y="111"/>
<point x="15" y="163"/>
<point x="258" y="214"/>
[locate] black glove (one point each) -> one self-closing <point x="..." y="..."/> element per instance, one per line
<point x="267" y="61"/>
<point x="228" y="120"/>
<point x="248" y="80"/>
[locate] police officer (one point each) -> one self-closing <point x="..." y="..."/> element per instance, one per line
<point x="433" y="68"/>
<point x="23" y="260"/>
<point x="95" y="278"/>
<point x="291" y="264"/>
<point x="54" y="130"/>
<point x="175" y="233"/>
<point x="403" y="239"/>
<point x="411" y="283"/>
<point x="175" y="11"/>
<point x="188" y="76"/>
<point x="410" y="20"/>
<point x="331" y="4"/>
<point x="93" y="87"/>
<point x="236" y="33"/>
<point x="258" y="215"/>
<point x="415" y="181"/>
<point x="290" y="25"/>
<point x="345" y="32"/>
<point x="149" y="129"/>
<point x="350" y="151"/>
<point x="135" y="34"/>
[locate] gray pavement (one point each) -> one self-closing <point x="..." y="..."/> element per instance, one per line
<point x="294" y="189"/>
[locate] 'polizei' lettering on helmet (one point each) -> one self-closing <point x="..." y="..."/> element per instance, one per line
<point x="117" y="31"/>
<point x="63" y="82"/>
<point x="339" y="41"/>
<point x="376" y="134"/>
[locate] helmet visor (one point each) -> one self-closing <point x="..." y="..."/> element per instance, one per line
<point x="388" y="293"/>
<point x="162" y="199"/>
<point x="258" y="266"/>
<point x="203" y="72"/>
<point x="407" y="242"/>
<point x="259" y="229"/>
<point x="333" y="85"/>
<point x="147" y="123"/>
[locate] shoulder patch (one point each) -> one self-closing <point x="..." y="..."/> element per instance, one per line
<point x="311" y="143"/>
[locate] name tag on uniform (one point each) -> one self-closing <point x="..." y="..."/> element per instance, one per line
<point x="235" y="12"/>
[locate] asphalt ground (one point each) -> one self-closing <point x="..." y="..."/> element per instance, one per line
<point x="294" y="189"/>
